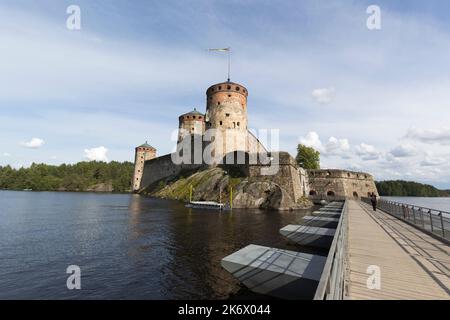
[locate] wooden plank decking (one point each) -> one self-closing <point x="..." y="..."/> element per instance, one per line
<point x="413" y="265"/>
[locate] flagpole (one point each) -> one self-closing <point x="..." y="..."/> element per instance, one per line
<point x="229" y="63"/>
<point x="228" y="50"/>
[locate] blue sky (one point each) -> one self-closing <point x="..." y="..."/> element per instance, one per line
<point x="371" y="100"/>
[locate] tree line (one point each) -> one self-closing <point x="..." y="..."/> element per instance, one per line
<point x="403" y="188"/>
<point x="68" y="177"/>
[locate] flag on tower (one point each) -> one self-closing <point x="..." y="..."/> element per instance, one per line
<point x="228" y="50"/>
<point x="220" y="49"/>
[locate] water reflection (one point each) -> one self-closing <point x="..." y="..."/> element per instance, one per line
<point x="127" y="246"/>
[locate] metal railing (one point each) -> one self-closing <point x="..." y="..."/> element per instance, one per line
<point x="436" y="222"/>
<point x="331" y="283"/>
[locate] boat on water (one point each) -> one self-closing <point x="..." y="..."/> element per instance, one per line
<point x="206" y="205"/>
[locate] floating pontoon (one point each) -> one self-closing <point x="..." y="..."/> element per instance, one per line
<point x="308" y="235"/>
<point x="280" y="273"/>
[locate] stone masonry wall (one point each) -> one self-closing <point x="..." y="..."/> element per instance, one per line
<point x="340" y="183"/>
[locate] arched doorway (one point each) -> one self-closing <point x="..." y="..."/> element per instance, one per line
<point x="330" y="193"/>
<point x="355" y="195"/>
<point x="312" y="193"/>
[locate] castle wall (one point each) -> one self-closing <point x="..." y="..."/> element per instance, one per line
<point x="340" y="183"/>
<point x="161" y="168"/>
<point x="289" y="175"/>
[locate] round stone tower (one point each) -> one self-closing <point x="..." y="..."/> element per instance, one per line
<point x="142" y="153"/>
<point x="226" y="112"/>
<point x="226" y="106"/>
<point x="191" y="123"/>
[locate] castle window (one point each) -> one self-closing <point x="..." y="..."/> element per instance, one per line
<point x="193" y="117"/>
<point x="229" y="95"/>
<point x="238" y="124"/>
<point x="228" y="87"/>
<point x="227" y="114"/>
<point x="218" y="102"/>
<point x="220" y="122"/>
<point x="220" y="87"/>
<point x="237" y="88"/>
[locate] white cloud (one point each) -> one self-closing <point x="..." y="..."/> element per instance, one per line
<point x="96" y="154"/>
<point x="432" y="161"/>
<point x="336" y="146"/>
<point x="367" y="152"/>
<point x="33" y="143"/>
<point x="403" y="151"/>
<point x="6" y="154"/>
<point x="440" y="135"/>
<point x="323" y="95"/>
<point x="312" y="140"/>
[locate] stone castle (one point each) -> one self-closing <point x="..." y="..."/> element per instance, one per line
<point x="226" y="113"/>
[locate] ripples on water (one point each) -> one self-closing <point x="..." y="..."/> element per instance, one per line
<point x="127" y="246"/>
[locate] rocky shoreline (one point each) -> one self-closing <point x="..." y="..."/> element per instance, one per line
<point x="216" y="184"/>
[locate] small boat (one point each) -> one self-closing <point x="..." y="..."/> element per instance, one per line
<point x="205" y="205"/>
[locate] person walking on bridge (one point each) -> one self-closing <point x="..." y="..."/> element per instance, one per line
<point x="373" y="200"/>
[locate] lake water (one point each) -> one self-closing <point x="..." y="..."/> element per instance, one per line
<point x="127" y="246"/>
<point x="432" y="203"/>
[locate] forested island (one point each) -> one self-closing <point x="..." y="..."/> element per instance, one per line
<point x="83" y="176"/>
<point x="401" y="188"/>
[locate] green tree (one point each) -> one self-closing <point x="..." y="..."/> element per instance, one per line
<point x="408" y="188"/>
<point x="71" y="177"/>
<point x="307" y="157"/>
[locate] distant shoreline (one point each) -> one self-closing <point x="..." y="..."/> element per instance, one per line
<point x="70" y="191"/>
